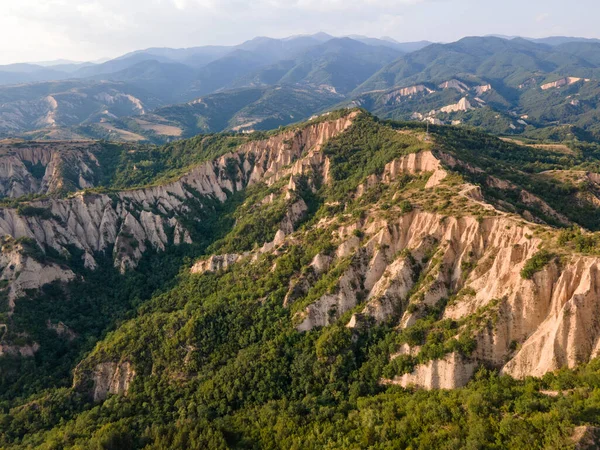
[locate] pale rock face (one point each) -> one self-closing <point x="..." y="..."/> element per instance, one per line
<point x="94" y="222"/>
<point x="564" y="330"/>
<point x="454" y="84"/>
<point x="380" y="306"/>
<point x="300" y="286"/>
<point x="434" y="120"/>
<point x="552" y="316"/>
<point x="294" y="214"/>
<point x="585" y="437"/>
<point x="287" y="226"/>
<point x="321" y="263"/>
<point x="348" y="248"/>
<point x="406" y="349"/>
<point x="24" y="273"/>
<point x="462" y="105"/>
<point x="272" y="160"/>
<point x="331" y="306"/>
<point x="17" y="180"/>
<point x="567" y="81"/>
<point x="480" y="90"/>
<point x="397" y="95"/>
<point x="215" y="263"/>
<point x="449" y="373"/>
<point x="112" y="378"/>
<point x="25" y="351"/>
<point x="392" y="288"/>
<point x="416" y="163"/>
<point x="61" y="329"/>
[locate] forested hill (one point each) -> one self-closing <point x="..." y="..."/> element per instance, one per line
<point x="539" y="89"/>
<point x="342" y="283"/>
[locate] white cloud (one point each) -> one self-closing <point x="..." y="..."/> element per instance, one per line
<point x="542" y="17"/>
<point x="89" y="29"/>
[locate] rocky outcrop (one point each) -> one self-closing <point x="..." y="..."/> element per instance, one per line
<point x="420" y="163"/>
<point x="300" y="285"/>
<point x="23" y="272"/>
<point x="215" y="263"/>
<point x="46" y="167"/>
<point x="418" y="232"/>
<point x="391" y="290"/>
<point x="463" y="105"/>
<point x="567" y="81"/>
<point x="397" y="95"/>
<point x="332" y="305"/>
<point x="526" y="326"/>
<point x="449" y="373"/>
<point x="416" y="163"/>
<point x="131" y="220"/>
<point x="480" y="90"/>
<point x="25" y="351"/>
<point x="586" y="437"/>
<point x="61" y="329"/>
<point x="111" y="378"/>
<point x="559" y="327"/>
<point x="454" y="84"/>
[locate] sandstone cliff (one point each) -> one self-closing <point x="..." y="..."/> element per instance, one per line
<point x="430" y="241"/>
<point x="130" y="220"/>
<point x="46" y="167"/>
<point x="532" y="325"/>
<point x="423" y="258"/>
<point x="109" y="378"/>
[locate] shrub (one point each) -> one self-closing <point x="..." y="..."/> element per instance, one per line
<point x="536" y="264"/>
<point x="405" y="206"/>
<point x="333" y="341"/>
<point x="34" y="211"/>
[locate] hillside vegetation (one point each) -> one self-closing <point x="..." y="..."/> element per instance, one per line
<point x="329" y="268"/>
<point x="525" y="87"/>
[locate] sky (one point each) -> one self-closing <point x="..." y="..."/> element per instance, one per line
<point x="85" y="30"/>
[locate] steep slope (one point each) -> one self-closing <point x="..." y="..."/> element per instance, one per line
<point x="342" y="64"/>
<point x="39" y="168"/>
<point x="69" y="103"/>
<point x="260" y="108"/>
<point x="456" y="101"/>
<point x="455" y="244"/>
<point x="333" y="267"/>
<point x="505" y="86"/>
<point x="511" y="61"/>
<point x="166" y="81"/>
<point x="129" y="219"/>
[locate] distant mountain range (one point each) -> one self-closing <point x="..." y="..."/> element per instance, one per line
<point x="258" y="51"/>
<point x="502" y="84"/>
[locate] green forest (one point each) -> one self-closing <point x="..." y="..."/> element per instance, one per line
<point x="218" y="360"/>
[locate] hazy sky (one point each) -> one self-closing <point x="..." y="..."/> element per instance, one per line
<point x="39" y="30"/>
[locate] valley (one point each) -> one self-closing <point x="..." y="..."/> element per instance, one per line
<point x="341" y="282"/>
<point x="512" y="87"/>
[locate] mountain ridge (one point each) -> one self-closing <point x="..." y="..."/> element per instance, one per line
<point x="330" y="266"/>
<point x="249" y="88"/>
